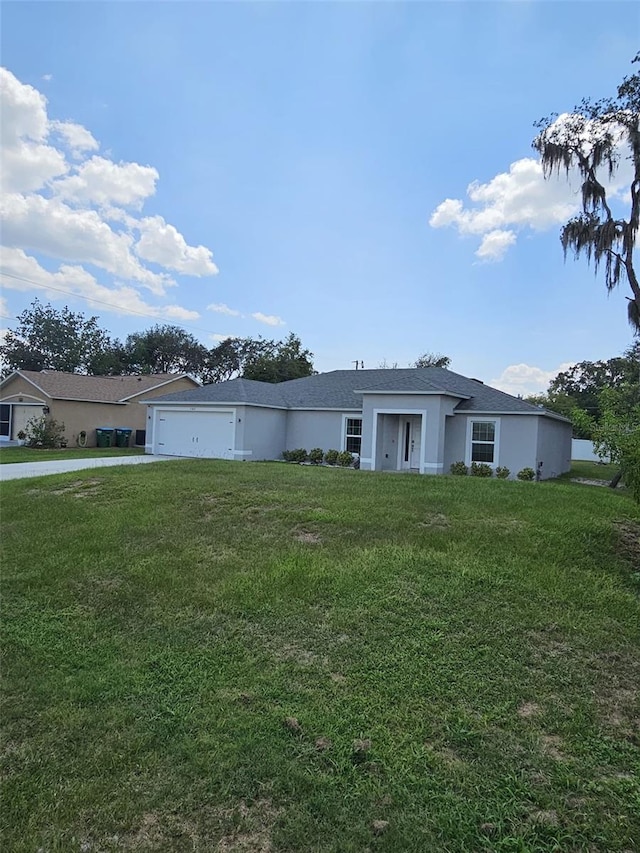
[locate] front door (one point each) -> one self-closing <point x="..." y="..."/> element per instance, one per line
<point x="411" y="432"/>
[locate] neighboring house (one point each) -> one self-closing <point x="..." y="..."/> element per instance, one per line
<point x="82" y="402"/>
<point x="416" y="419"/>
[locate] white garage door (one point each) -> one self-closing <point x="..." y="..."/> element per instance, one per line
<point x="206" y="434"/>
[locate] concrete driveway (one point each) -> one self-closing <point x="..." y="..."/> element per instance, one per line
<point x="20" y="470"/>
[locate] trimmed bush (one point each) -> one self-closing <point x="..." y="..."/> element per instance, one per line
<point x="481" y="469"/>
<point x="459" y="469"/>
<point x="526" y="474"/>
<point x="299" y="455"/>
<point x="331" y="457"/>
<point x="316" y="456"/>
<point x="345" y="459"/>
<point x="502" y="473"/>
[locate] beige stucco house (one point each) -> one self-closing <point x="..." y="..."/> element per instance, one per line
<point x="82" y="403"/>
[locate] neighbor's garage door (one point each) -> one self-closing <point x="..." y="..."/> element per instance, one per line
<point x="207" y="434"/>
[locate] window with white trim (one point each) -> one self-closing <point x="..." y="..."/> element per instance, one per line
<point x="353" y="435"/>
<point x="483" y="441"/>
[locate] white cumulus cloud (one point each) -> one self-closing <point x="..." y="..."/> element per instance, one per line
<point x="496" y="211"/>
<point x="22" y="272"/>
<point x="268" y="319"/>
<point x="77" y="137"/>
<point x="221" y="308"/>
<point x="24" y="113"/>
<point x="53" y="228"/>
<point x="494" y="245"/>
<point x="164" y="245"/>
<point x="65" y="200"/>
<point x="525" y="379"/>
<point x="104" y="183"/>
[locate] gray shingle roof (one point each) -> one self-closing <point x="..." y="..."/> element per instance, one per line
<point x="342" y="389"/>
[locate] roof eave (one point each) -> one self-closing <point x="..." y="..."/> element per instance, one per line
<point x="540" y="413"/>
<point x="209" y="403"/>
<point x="417" y="393"/>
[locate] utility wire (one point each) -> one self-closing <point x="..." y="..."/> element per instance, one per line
<point x="99" y="302"/>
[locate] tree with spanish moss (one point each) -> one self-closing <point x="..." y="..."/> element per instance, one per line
<point x="592" y="139"/>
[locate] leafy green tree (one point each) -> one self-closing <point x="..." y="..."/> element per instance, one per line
<point x="560" y="403"/>
<point x="223" y="362"/>
<point x="589" y="140"/>
<point x="617" y="435"/>
<point x="165" y="349"/>
<point x="48" y="339"/>
<point x="279" y="362"/>
<point x="584" y="382"/>
<point x="432" y="359"/>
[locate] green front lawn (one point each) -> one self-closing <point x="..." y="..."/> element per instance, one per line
<point x="206" y="656"/>
<point x="591" y="471"/>
<point x="31" y="454"/>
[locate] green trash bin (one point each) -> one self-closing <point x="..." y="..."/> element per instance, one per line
<point x="123" y="436"/>
<point x="103" y="436"/>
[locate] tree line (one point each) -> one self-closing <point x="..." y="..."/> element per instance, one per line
<point x="602" y="399"/>
<point x="50" y="339"/>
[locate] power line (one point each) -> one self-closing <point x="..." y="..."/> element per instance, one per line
<point x="98" y="301"/>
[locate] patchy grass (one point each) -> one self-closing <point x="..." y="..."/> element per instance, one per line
<point x="32" y="454"/>
<point x="591" y="471"/>
<point x="221" y="656"/>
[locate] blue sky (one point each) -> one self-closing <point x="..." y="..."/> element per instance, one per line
<point x="289" y="162"/>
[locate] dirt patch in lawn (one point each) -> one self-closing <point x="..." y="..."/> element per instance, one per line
<point x="307" y="537"/>
<point x="620" y="710"/>
<point x="628" y="533"/>
<point x="77" y="489"/>
<point x="245" y="828"/>
<point x="552" y="746"/>
<point x="80" y="488"/>
<point x="437" y="521"/>
<point x="528" y="710"/>
<point x="253" y="835"/>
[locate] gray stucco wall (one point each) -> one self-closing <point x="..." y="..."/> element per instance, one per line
<point x="518" y="442"/>
<point x="517" y="446"/>
<point x="454" y="440"/>
<point x="387" y="442"/>
<point x="554" y="447"/>
<point x="433" y="408"/>
<point x="261" y="431"/>
<point x="315" y="429"/>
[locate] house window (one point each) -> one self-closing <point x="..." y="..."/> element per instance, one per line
<point x="353" y="435"/>
<point x="5" y="420"/>
<point x="483" y="441"/>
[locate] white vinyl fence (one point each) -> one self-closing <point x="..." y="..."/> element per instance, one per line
<point x="582" y="450"/>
